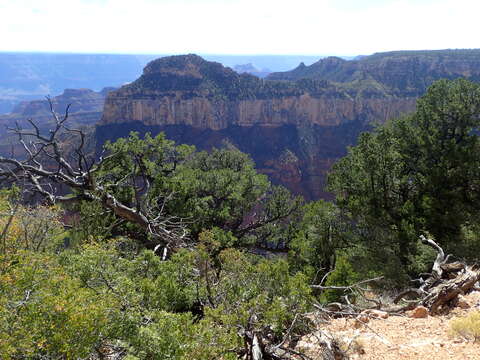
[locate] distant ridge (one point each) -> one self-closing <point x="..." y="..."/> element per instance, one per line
<point x="31" y="76"/>
<point x="397" y="73"/>
<point x="86" y="108"/>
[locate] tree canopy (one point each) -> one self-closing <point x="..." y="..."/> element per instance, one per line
<point x="419" y="173"/>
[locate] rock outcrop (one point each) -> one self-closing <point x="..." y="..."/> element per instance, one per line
<point x="311" y="113"/>
<point x="187" y="90"/>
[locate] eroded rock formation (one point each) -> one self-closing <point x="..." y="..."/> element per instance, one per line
<point x="312" y="113"/>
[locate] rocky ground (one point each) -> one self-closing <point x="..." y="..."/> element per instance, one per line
<point x="399" y="337"/>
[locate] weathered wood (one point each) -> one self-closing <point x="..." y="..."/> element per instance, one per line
<point x="453" y="267"/>
<point x="447" y="291"/>
<point x="417" y="292"/>
<point x="437" y="289"/>
<point x="437" y="270"/>
<point x="257" y="353"/>
<point x="446" y="282"/>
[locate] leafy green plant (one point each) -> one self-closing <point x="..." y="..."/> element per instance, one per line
<point x="317" y="238"/>
<point x="46" y="312"/>
<point x="23" y="227"/>
<point x="343" y="275"/>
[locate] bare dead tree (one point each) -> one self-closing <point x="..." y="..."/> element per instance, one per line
<point x="49" y="166"/>
<point x="443" y="285"/>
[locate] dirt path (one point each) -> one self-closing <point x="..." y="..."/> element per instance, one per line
<point x="401" y="337"/>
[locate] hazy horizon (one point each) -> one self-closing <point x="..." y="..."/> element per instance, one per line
<point x="170" y="54"/>
<point x="237" y="27"/>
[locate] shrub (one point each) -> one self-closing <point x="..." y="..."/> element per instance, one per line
<point x="343" y="275"/>
<point x="250" y="287"/>
<point x="29" y="228"/>
<point x="45" y="313"/>
<point x="467" y="327"/>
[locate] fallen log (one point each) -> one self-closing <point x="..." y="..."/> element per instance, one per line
<point x="446" y="282"/>
<point x="438" y="289"/>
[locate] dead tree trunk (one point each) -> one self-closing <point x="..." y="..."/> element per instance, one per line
<point x="446" y="281"/>
<point x="438" y="290"/>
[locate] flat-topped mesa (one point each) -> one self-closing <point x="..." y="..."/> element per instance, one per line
<point x="188" y="90"/>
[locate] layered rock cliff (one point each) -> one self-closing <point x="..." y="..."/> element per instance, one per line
<point x="295" y="125"/>
<point x="187" y="90"/>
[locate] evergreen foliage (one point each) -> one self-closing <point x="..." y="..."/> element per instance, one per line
<point x="416" y="174"/>
<point x="98" y="285"/>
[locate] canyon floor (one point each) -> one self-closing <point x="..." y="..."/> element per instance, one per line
<point x="401" y="337"/>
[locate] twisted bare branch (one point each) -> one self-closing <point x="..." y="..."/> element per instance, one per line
<point x="49" y="167"/>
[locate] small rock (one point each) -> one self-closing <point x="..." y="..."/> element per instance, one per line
<point x="361" y="320"/>
<point x="303" y="345"/>
<point x="463" y="303"/>
<point x="376" y="313"/>
<point x="418" y="313"/>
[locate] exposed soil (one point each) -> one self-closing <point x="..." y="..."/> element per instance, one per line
<point x="401" y="337"/>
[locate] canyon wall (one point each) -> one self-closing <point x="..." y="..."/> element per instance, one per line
<point x="295" y="125"/>
<point x="201" y="112"/>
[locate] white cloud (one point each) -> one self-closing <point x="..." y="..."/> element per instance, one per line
<point x="237" y="26"/>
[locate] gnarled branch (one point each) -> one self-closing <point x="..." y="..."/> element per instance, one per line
<point x="49" y="166"/>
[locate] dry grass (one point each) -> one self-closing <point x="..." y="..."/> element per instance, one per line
<point x="355" y="346"/>
<point x="467" y="327"/>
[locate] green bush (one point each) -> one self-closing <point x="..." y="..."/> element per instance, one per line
<point x="343" y="275"/>
<point x="249" y="286"/>
<point x="319" y="235"/>
<point x="46" y="312"/>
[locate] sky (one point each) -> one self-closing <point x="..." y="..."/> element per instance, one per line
<point x="283" y="27"/>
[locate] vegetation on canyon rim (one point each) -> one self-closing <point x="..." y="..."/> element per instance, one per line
<point x="176" y="254"/>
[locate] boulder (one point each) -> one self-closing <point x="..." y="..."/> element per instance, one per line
<point x="418" y="313"/>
